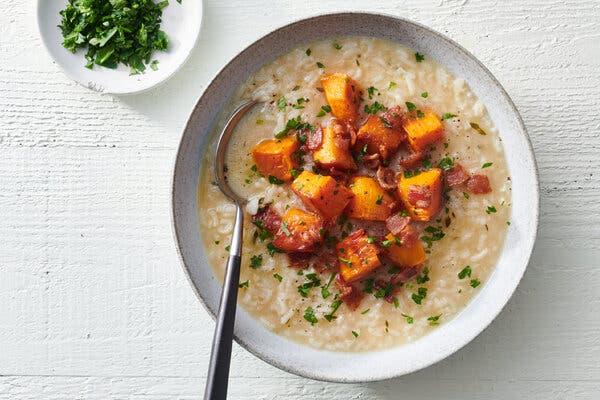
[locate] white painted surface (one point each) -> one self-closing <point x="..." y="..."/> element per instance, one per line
<point x="94" y="304"/>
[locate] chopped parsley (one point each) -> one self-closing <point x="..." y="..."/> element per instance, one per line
<point x="409" y="319"/>
<point x="411" y="107"/>
<point x="293" y="124"/>
<point x="384" y="291"/>
<point x="477" y="128"/>
<point x="435" y="234"/>
<point x="334" y="306"/>
<point x="448" y="116"/>
<point x="313" y="281"/>
<point x="337" y="46"/>
<point x="278" y="277"/>
<point x="369" y="283"/>
<point x="295" y="172"/>
<point x="260" y="121"/>
<point x="272" y="249"/>
<point x="261" y="233"/>
<point x="244" y="284"/>
<point x="379" y="199"/>
<point x="355" y="334"/>
<point x="391" y="85"/>
<point x="424" y="277"/>
<point x="446" y="163"/>
<point x="385" y="122"/>
<point x="419" y="57"/>
<point x="345" y="261"/>
<point x="374" y="108"/>
<point x="308" y="52"/>
<point x="256" y="261"/>
<point x="320" y="64"/>
<point x="309" y="315"/>
<point x="474" y="283"/>
<point x="281" y="103"/>
<point x="370" y="240"/>
<point x="396" y="303"/>
<point x="274" y="180"/>
<point x="371" y="91"/>
<point x="115" y="32"/>
<point x="433" y="321"/>
<point x="420" y="114"/>
<point x="420" y="295"/>
<point x="465" y="272"/>
<point x="324" y="110"/>
<point x="325" y="289"/>
<point x="466" y="195"/>
<point x="365" y="311"/>
<point x="491" y="210"/>
<point x="424" y="95"/>
<point x="487" y="165"/>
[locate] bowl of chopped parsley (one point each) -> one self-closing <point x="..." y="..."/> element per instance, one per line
<point x="119" y="46"/>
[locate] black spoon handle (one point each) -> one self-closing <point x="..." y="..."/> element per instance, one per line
<point x="220" y="359"/>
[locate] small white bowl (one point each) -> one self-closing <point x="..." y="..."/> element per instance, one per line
<point x="181" y="22"/>
<point x="450" y="336"/>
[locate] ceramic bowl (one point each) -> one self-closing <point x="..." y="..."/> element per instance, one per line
<point x="449" y="337"/>
<point x="181" y="22"/>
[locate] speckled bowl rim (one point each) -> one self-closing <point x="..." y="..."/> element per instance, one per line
<point x="428" y="354"/>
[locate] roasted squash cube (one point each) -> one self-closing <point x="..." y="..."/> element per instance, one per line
<point x="423" y="131"/>
<point x="334" y="151"/>
<point x="405" y="256"/>
<point x="356" y="256"/>
<point x="422" y="193"/>
<point x="321" y="194"/>
<point x="273" y="157"/>
<point x="343" y="95"/>
<point x="299" y="231"/>
<point x="378" y="137"/>
<point x="370" y="202"/>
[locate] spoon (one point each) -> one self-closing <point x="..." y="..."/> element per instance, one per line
<point x="220" y="357"/>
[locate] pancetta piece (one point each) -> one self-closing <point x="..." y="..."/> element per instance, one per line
<point x="387" y="178"/>
<point x="396" y="223"/>
<point x="314" y="139"/>
<point x="349" y="293"/>
<point x="269" y="219"/>
<point x="479" y="184"/>
<point x="419" y="196"/>
<point x="456" y="176"/>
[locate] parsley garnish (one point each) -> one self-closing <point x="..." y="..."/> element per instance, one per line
<point x="465" y="272"/>
<point x="446" y="163"/>
<point x="274" y="180"/>
<point x="334" y="306"/>
<point x="419" y="57"/>
<point x="383" y="291"/>
<point x="365" y="311"/>
<point x="308" y="52"/>
<point x="491" y="210"/>
<point x="256" y="261"/>
<point x="420" y="295"/>
<point x="474" y="283"/>
<point x="423" y="278"/>
<point x="324" y="110"/>
<point x="487" y="164"/>
<point x="355" y="334"/>
<point x="424" y="95"/>
<point x="115" y="32"/>
<point x="320" y="64"/>
<point x="379" y="199"/>
<point x="310" y="316"/>
<point x="409" y="319"/>
<point x="261" y="233"/>
<point x="374" y="108"/>
<point x="272" y="249"/>
<point x="244" y="284"/>
<point x="391" y="85"/>
<point x="411" y="107"/>
<point x="477" y="128"/>
<point x="278" y="277"/>
<point x="448" y="116"/>
<point x="324" y="290"/>
<point x="281" y="103"/>
<point x="433" y="321"/>
<point x="466" y="195"/>
<point x="285" y="229"/>
<point x="371" y="91"/>
<point x="337" y="46"/>
<point x="293" y="124"/>
<point x="396" y="303"/>
<point x="369" y="283"/>
<point x="345" y="261"/>
<point x="435" y="234"/>
<point x="313" y="281"/>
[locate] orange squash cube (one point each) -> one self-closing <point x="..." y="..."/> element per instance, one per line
<point x="423" y="131"/>
<point x="405" y="256"/>
<point x="422" y="193"/>
<point x="322" y="194"/>
<point x="370" y="202"/>
<point x="343" y="95"/>
<point x="334" y="151"/>
<point x="299" y="231"/>
<point x="356" y="256"/>
<point x="378" y="137"/>
<point x="273" y="157"/>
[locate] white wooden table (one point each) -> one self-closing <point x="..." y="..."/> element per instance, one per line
<point x="94" y="303"/>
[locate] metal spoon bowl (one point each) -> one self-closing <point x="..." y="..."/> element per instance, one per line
<point x="220" y="358"/>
